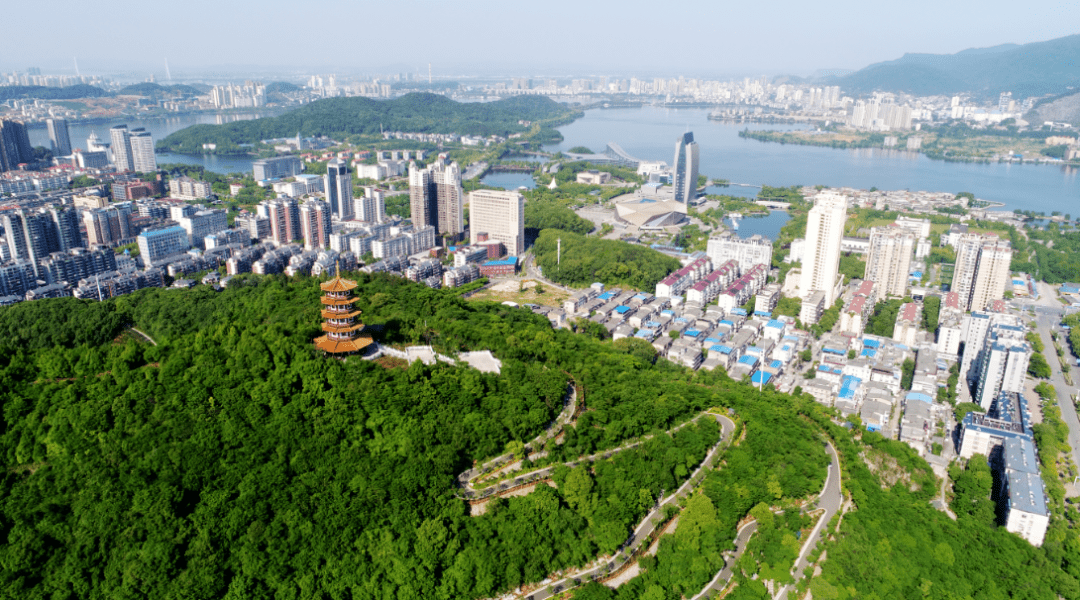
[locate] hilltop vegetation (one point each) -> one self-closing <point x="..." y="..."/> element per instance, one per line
<point x="70" y="92"/>
<point x="156" y="90"/>
<point x="588" y="259"/>
<point x="342" y="117"/>
<point x="230" y="460"/>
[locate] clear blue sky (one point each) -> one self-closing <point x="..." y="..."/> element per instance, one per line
<point x="531" y="38"/>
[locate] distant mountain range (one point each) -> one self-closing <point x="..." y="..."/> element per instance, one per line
<point x="1035" y="69"/>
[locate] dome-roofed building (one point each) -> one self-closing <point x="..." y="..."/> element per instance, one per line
<point x="341" y="321"/>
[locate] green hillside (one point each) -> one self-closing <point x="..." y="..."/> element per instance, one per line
<point x="341" y="117"/>
<point x="70" y="92"/>
<point x="231" y="460"/>
<point x="156" y="90"/>
<point x="1033" y="69"/>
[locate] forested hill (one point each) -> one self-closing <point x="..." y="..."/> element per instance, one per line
<point x="1033" y="69"/>
<point x="156" y="90"/>
<point x="340" y="117"/>
<point x="231" y="460"/>
<point x="50" y="93"/>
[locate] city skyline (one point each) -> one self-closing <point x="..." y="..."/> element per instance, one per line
<point x="704" y="50"/>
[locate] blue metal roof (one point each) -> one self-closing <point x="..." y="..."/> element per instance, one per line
<point x="871" y="343"/>
<point x="834" y="351"/>
<point x="900" y="346"/>
<point x="622" y="310"/>
<point x="651" y="325"/>
<point x="775" y="323"/>
<point x="848" y="385"/>
<point x="828" y="369"/>
<point x="501" y="261"/>
<point x="712" y="340"/>
<point x="644" y="333"/>
<point x="692" y="333"/>
<point x="869" y="352"/>
<point x="668" y="313"/>
<point x="791" y="338"/>
<point x="606" y="296"/>
<point x="748" y="359"/>
<point x="738" y="311"/>
<point x="775" y="364"/>
<point x="762" y="313"/>
<point x="755" y="350"/>
<point x="726" y="322"/>
<point x="721" y="349"/>
<point x="921" y="397"/>
<point x="760" y="377"/>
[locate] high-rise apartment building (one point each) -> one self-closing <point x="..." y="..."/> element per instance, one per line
<point x="1003" y="365"/>
<point x="315" y="217"/>
<point x="284" y="215"/>
<point x="422" y="206"/>
<point x="499" y="214"/>
<point x="888" y="261"/>
<point x="121" y="148"/>
<point x="141" y="144"/>
<point x="370" y="207"/>
<point x="436" y="198"/>
<point x="157" y="245"/>
<point x="981" y="274"/>
<point x="26" y="234"/>
<point x="65" y="228"/>
<point x="108" y="226"/>
<point x="684" y="174"/>
<point x="59" y="137"/>
<point x="821" y="255"/>
<point x="338" y="186"/>
<point x="202" y="223"/>
<point x="15" y="147"/>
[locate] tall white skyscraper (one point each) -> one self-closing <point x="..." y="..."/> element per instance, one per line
<point x="59" y="136"/>
<point x="141" y="145"/>
<point x="821" y="256"/>
<point x="499" y="214"/>
<point x="685" y="168"/>
<point x="121" y="148"/>
<point x="889" y="259"/>
<point x="338" y="186"/>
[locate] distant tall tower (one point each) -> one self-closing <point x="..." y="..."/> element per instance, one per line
<point x="121" y="148"/>
<point x="58" y="136"/>
<point x="338" y="186"/>
<point x="821" y="259"/>
<point x="685" y="168"/>
<point x="429" y="73"/>
<point x="981" y="274"/>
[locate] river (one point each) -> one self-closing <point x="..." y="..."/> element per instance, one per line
<point x="649" y="133"/>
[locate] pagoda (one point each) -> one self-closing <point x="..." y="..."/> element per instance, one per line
<point x="341" y="322"/>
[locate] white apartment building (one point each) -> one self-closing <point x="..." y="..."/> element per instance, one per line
<point x="186" y="188"/>
<point x="1003" y="365"/>
<point x="371" y="207"/>
<point x="315" y="224"/>
<point x="982" y="270"/>
<point x="142" y="151"/>
<point x="889" y="260"/>
<point x="755" y="250"/>
<point x="499" y="214"/>
<point x="202" y="223"/>
<point x="821" y="260"/>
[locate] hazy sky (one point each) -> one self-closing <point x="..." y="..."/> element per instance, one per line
<point x="553" y="37"/>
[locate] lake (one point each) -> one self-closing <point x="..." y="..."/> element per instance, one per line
<point x="649" y="133"/>
<point x="159" y="127"/>
<point x="509" y="180"/>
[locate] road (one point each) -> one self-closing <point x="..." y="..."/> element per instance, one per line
<point x="647" y="526"/>
<point x="1048" y="313"/>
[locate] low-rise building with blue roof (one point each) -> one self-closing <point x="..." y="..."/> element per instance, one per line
<point x="760" y="377"/>
<point x="748" y="359"/>
<point x="739" y="311"/>
<point x="918" y="397"/>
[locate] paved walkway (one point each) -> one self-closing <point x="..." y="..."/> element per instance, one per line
<point x="642" y="533"/>
<point x="148" y="338"/>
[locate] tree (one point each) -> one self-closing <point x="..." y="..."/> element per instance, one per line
<point x="931" y="310"/>
<point x="907" y="370"/>
<point x="806" y="356"/>
<point x="1038" y="367"/>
